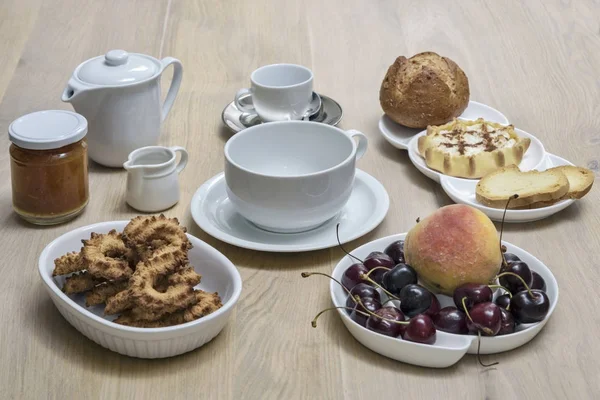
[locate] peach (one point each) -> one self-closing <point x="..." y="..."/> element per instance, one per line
<point x="457" y="244"/>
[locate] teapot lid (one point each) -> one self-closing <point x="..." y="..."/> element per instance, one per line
<point x="117" y="67"/>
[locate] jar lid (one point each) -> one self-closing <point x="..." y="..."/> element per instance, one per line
<point x="118" y="67"/>
<point x="45" y="130"/>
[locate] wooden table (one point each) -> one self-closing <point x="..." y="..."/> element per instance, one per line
<point x="536" y="61"/>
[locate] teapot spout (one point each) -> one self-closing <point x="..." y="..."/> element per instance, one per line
<point x="73" y="91"/>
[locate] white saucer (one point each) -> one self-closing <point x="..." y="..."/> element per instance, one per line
<point x="463" y="191"/>
<point x="213" y="213"/>
<point x="533" y="159"/>
<point x="399" y="136"/>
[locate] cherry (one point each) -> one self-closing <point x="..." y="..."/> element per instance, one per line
<point x="396" y="251"/>
<point x="507" y="322"/>
<point x="357" y="314"/>
<point x="513" y="283"/>
<point x="451" y="320"/>
<point x="511" y="258"/>
<point x="529" y="306"/>
<point x="378" y="259"/>
<point x="474" y="292"/>
<point x="398" y="277"/>
<point x="414" y="299"/>
<point x="537" y="282"/>
<point x="420" y="329"/>
<point x="503" y="301"/>
<point x="352" y="275"/>
<point x="378" y="324"/>
<point x="434" y="307"/>
<point x="485" y="318"/>
<point x="362" y="290"/>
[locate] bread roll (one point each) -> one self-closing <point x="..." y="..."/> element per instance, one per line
<point x="426" y="89"/>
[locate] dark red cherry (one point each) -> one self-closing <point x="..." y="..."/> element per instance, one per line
<point x="507" y="323"/>
<point x="511" y="258"/>
<point x="378" y="259"/>
<point x="363" y="290"/>
<point x="376" y="323"/>
<point x="486" y="317"/>
<point x="398" y="277"/>
<point x="414" y="299"/>
<point x="513" y="283"/>
<point x="368" y="303"/>
<point x="537" y="282"/>
<point x="474" y="293"/>
<point x="528" y="308"/>
<point x="352" y="274"/>
<point x="420" y="330"/>
<point x="451" y="320"/>
<point x="434" y="307"/>
<point x="396" y="251"/>
<point x="503" y="301"/>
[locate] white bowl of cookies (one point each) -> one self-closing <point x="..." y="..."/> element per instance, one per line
<point x="143" y="288"/>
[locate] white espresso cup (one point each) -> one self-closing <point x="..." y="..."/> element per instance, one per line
<point x="291" y="176"/>
<point x="280" y="92"/>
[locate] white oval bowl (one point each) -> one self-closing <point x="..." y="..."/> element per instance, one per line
<point x="448" y="348"/>
<point x="218" y="275"/>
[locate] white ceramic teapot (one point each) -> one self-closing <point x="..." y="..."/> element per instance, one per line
<point x="119" y="95"/>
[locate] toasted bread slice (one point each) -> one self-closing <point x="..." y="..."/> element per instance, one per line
<point x="580" y="180"/>
<point x="580" y="183"/>
<point x="494" y="189"/>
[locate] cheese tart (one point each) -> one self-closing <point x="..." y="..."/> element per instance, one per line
<point x="471" y="149"/>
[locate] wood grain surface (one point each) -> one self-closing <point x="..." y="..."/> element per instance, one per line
<point x="536" y="61"/>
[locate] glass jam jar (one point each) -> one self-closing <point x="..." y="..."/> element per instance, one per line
<point x="49" y="166"/>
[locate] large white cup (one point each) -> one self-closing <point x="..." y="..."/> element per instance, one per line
<point x="280" y="92"/>
<point x="291" y="176"/>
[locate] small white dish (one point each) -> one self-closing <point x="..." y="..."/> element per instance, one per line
<point x="330" y="113"/>
<point x="218" y="275"/>
<point x="448" y="348"/>
<point x="213" y="212"/>
<point x="153" y="177"/>
<point x="399" y="136"/>
<point x="463" y="191"/>
<point x="534" y="157"/>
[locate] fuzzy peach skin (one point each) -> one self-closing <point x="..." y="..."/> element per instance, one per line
<point x="457" y="244"/>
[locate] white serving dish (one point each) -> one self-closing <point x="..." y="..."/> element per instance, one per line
<point x="218" y="274"/>
<point x="448" y="348"/>
<point x="399" y="136"/>
<point x="463" y="191"/>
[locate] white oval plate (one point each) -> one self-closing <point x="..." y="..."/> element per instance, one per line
<point x="214" y="214"/>
<point x="399" y="136"/>
<point x="218" y="275"/>
<point x="534" y="157"/>
<point x="463" y="191"/>
<point x="448" y="348"/>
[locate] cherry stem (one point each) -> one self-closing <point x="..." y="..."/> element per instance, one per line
<point x="337" y="235"/>
<point x="314" y="321"/>
<point x="365" y="277"/>
<point x="514" y="196"/>
<point x="479" y="355"/>
<point x="501" y="287"/>
<point x="521" y="279"/>
<point x="479" y="328"/>
<point x="307" y="274"/>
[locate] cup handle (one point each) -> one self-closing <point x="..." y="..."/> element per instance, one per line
<point x="182" y="160"/>
<point x="239" y="105"/>
<point x="363" y="142"/>
<point x="175" y="83"/>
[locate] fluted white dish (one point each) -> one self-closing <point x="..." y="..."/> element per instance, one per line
<point x="218" y="275"/>
<point x="448" y="348"/>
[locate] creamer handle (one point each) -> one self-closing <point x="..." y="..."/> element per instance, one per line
<point x="182" y="160"/>
<point x="175" y="83"/>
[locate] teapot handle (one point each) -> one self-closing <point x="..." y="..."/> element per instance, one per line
<point x="175" y="83"/>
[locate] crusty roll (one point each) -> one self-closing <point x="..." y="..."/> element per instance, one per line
<point x="426" y="89"/>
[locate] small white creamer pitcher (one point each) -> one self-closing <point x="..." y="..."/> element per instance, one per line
<point x="153" y="177"/>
